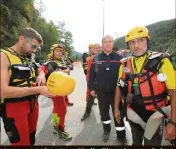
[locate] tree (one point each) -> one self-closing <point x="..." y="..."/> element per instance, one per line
<point x="17" y="14"/>
<point x="65" y="37"/>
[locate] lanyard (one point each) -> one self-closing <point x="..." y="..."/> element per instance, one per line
<point x="135" y="67"/>
<point x="136" y="83"/>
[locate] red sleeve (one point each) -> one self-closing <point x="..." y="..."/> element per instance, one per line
<point x="44" y="68"/>
<point x="89" y="62"/>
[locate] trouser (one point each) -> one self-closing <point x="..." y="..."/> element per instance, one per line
<point x="89" y="104"/>
<point x="20" y="121"/>
<point x="59" y="112"/>
<point x="105" y="100"/>
<point x="88" y="94"/>
<point x="138" y="134"/>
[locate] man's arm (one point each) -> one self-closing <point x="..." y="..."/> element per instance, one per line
<point x="117" y="100"/>
<point x="173" y="104"/>
<point x="117" y="97"/>
<point x="92" y="76"/>
<point x="168" y="70"/>
<point x="9" y="91"/>
<point x="41" y="80"/>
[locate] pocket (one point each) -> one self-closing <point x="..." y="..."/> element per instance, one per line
<point x="20" y="71"/>
<point x="11" y="130"/>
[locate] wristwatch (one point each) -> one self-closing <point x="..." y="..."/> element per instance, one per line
<point x="172" y="122"/>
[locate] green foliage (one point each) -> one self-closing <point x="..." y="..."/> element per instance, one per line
<point x="162" y="37"/>
<point x="17" y="14"/>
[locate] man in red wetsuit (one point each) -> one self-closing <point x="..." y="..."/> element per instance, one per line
<point x="55" y="63"/>
<point x="19" y="105"/>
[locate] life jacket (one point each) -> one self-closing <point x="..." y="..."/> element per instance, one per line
<point x="22" y="70"/>
<point x="52" y="65"/>
<point x="67" y="60"/>
<point x="85" y="56"/>
<point x="58" y="62"/>
<point x="152" y="92"/>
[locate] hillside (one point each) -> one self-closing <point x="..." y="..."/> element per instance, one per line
<point x="76" y="55"/>
<point x="162" y="34"/>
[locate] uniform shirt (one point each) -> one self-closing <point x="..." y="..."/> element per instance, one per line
<point x="103" y="72"/>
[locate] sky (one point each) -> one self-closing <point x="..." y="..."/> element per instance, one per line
<point x="84" y="18"/>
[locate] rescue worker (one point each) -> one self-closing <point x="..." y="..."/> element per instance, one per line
<point x="21" y="83"/>
<point x="55" y="63"/>
<point x="147" y="81"/>
<point x="102" y="81"/>
<point x="68" y="62"/>
<point x="85" y="56"/>
<point x="90" y="98"/>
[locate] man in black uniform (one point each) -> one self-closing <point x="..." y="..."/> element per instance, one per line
<point x="102" y="81"/>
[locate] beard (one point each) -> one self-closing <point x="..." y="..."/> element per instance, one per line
<point x="139" y="53"/>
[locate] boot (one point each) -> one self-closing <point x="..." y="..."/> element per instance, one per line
<point x="89" y="105"/>
<point x="94" y="103"/>
<point x="107" y="130"/>
<point x="106" y="136"/>
<point x="85" y="116"/>
<point x="121" y="136"/>
<point x="62" y="134"/>
<point x="70" y="104"/>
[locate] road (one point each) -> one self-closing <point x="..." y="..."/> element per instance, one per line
<point x="88" y="132"/>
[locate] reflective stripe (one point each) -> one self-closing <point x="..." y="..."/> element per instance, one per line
<point x="120" y="128"/>
<point x="107" y="122"/>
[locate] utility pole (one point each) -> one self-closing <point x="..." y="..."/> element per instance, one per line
<point x="103" y="16"/>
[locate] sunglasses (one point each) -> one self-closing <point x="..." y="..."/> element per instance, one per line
<point x="32" y="45"/>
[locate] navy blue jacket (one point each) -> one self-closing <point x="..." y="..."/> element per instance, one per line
<point x="104" y="72"/>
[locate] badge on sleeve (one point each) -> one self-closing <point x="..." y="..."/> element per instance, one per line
<point x="161" y="77"/>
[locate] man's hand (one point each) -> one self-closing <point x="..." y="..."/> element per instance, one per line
<point x="170" y="132"/>
<point x="117" y="115"/>
<point x="43" y="90"/>
<point x="40" y="81"/>
<point x="93" y="93"/>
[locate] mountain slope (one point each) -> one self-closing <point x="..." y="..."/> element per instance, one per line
<point x="162" y="34"/>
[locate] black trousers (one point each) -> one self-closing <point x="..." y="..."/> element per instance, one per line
<point x="105" y="100"/>
<point x="89" y="104"/>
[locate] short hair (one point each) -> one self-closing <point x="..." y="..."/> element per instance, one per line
<point x="107" y="36"/>
<point x="32" y="34"/>
<point x="97" y="44"/>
